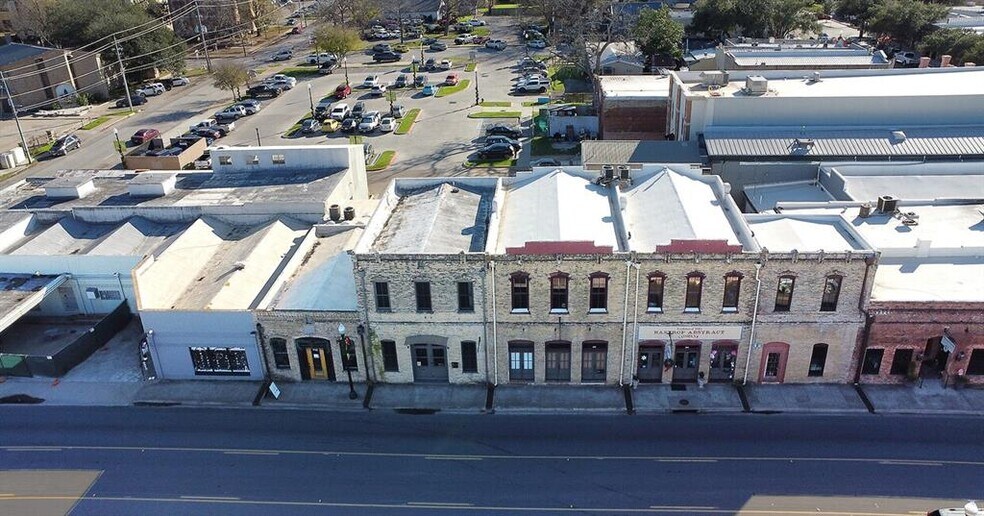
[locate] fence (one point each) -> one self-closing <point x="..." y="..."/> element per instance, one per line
<point x="71" y="355"/>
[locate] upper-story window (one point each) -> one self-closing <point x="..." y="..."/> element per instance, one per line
<point x="598" y="295"/>
<point x="784" y="293"/>
<point x="559" y="282"/>
<point x="422" y="289"/>
<point x="654" y="295"/>
<point x="382" y="291"/>
<point x="520" y="292"/>
<point x="732" y="290"/>
<point x="695" y="285"/>
<point x="466" y="297"/>
<point x="831" y="291"/>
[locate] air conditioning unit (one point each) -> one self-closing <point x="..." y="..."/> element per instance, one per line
<point x="623" y="173"/>
<point x="756" y="85"/>
<point x="714" y="78"/>
<point x="887" y="204"/>
<point x="608" y="173"/>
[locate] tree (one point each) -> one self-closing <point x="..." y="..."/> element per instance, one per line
<point x="907" y="21"/>
<point x="349" y="13"/>
<point x="715" y="18"/>
<point x="956" y="43"/>
<point x="338" y="40"/>
<point x="32" y="19"/>
<point x="230" y="77"/>
<point x="858" y="12"/>
<point x="788" y="16"/>
<point x="754" y="18"/>
<point x="656" y="33"/>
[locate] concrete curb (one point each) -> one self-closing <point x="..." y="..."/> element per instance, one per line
<point x="173" y="403"/>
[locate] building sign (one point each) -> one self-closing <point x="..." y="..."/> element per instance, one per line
<point x="684" y="332"/>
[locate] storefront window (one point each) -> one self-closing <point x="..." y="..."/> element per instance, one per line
<point x="872" y="361"/>
<point x="219" y="361"/>
<point x="976" y="365"/>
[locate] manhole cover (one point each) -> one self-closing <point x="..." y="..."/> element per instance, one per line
<point x="684" y="402"/>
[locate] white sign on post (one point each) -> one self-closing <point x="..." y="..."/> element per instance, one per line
<point x="684" y="332"/>
<point x="274" y="391"/>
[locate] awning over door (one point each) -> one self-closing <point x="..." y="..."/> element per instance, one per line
<point x="20" y="293"/>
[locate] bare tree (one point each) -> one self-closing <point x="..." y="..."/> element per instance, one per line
<point x="32" y="18"/>
<point x="349" y="13"/>
<point x="584" y="29"/>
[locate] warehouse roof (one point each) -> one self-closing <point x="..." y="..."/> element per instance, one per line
<point x="595" y="153"/>
<point x="959" y="141"/>
<point x="924" y="279"/>
<point x="437" y="218"/>
<point x="634" y="86"/>
<point x="915" y="180"/>
<point x="796" y="57"/>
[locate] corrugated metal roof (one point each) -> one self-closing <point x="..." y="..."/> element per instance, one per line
<point x="626" y="152"/>
<point x="950" y="141"/>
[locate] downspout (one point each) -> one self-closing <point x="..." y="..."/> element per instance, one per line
<point x="868" y="319"/>
<point x="485" y="321"/>
<point x="495" y="335"/>
<point x="625" y="324"/>
<point x="755" y="311"/>
<point x="263" y="358"/>
<point x="635" y="315"/>
<point x="371" y="365"/>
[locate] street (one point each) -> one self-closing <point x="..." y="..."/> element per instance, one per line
<point x="229" y="461"/>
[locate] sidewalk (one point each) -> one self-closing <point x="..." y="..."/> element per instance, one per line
<point x="929" y="399"/>
<point x="316" y="395"/>
<point x="519" y="399"/>
<point x="198" y="393"/>
<point x="804" y="398"/>
<point x="428" y="398"/>
<point x="714" y="397"/>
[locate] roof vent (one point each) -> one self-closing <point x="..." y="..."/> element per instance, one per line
<point x="887" y="204"/>
<point x="239" y="266"/>
<point x="71" y="187"/>
<point x="898" y="136"/>
<point x="813" y="78"/>
<point x="607" y="172"/>
<point x="623" y="173"/>
<point x="805" y="142"/>
<point x="152" y="184"/>
<point x="756" y="85"/>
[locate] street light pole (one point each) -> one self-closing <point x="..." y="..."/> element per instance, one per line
<point x="119" y="147"/>
<point x="13" y="109"/>
<point x="258" y="143"/>
<point x="477" y="102"/>
<point x="345" y="62"/>
<point x="126" y="87"/>
<point x="346" y="349"/>
<point x="310" y="99"/>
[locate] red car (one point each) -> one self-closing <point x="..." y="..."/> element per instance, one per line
<point x="144" y="135"/>
<point x="451" y="79"/>
<point x="342" y="91"/>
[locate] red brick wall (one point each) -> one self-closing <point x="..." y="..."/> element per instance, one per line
<point x="900" y="325"/>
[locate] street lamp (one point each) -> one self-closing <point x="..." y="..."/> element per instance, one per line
<point x="347" y="359"/>
<point x="119" y="146"/>
<point x="345" y="63"/>
<point x="310" y="99"/>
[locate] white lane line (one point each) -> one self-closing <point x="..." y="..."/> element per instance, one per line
<point x="683" y="507"/>
<point x="442" y="457"/>
<point x="210" y="498"/>
<point x="251" y="453"/>
<point x="29" y="449"/>
<point x="7" y="494"/>
<point x="441" y="504"/>
<point x="909" y="463"/>
<point x="686" y="460"/>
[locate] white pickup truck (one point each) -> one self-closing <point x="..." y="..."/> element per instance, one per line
<point x="211" y="123"/>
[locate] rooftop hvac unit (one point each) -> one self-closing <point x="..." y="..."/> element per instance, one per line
<point x="623" y="173"/>
<point x="887" y="204"/>
<point x="756" y="85"/>
<point x="713" y="78"/>
<point x="608" y="172"/>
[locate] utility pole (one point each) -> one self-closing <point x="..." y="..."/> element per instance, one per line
<point x="13" y="109"/>
<point x="119" y="59"/>
<point x="201" y="32"/>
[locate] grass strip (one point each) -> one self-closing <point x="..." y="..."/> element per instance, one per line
<point x="444" y="91"/>
<point x="543" y="146"/>
<point x="292" y="132"/>
<point x="495" y="114"/>
<point x="470" y="67"/>
<point x="37" y="151"/>
<point x="406" y="123"/>
<point x="195" y="72"/>
<point x="95" y="123"/>
<point x="298" y="71"/>
<point x="382" y="161"/>
<point x="531" y="103"/>
<point x="495" y="103"/>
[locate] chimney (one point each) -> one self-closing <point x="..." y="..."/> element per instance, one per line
<point x="945" y="61"/>
<point x="923" y="62"/>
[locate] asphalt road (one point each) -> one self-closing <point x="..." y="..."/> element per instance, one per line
<point x="226" y="461"/>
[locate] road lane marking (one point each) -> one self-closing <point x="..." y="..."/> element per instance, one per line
<point x="683" y="507"/>
<point x="878" y="460"/>
<point x="215" y="498"/>
<point x="6" y="494"/>
<point x="443" y="504"/>
<point x="686" y="460"/>
<point x="909" y="463"/>
<point x="451" y="457"/>
<point x="252" y="453"/>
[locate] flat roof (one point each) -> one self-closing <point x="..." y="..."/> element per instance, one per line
<point x="555" y="206"/>
<point x="923" y="279"/>
<point x="672" y="206"/>
<point x="325" y="279"/>
<point x="437" y="218"/>
<point x="917" y="180"/>
<point x="808" y="57"/>
<point x="820" y="142"/>
<point x="804" y="233"/>
<point x="638" y="152"/>
<point x="634" y="86"/>
<point x="902" y="82"/>
<point x="764" y="197"/>
<point x="191" y="189"/>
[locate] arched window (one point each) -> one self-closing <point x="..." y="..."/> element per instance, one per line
<point x="784" y="293"/>
<point x="654" y="295"/>
<point x="695" y="286"/>
<point x="818" y="360"/>
<point x="520" y="292"/>
<point x="598" y="294"/>
<point x="559" y="283"/>
<point x="831" y="291"/>
<point x="732" y="289"/>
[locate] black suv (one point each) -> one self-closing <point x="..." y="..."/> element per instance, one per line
<point x="65" y="144"/>
<point x="264" y="90"/>
<point x="497" y="151"/>
<point x="504" y="130"/>
<point x="384" y="57"/>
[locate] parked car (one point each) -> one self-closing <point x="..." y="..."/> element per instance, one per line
<point x="429" y="65"/>
<point x="264" y="90"/>
<point x="533" y="84"/>
<point x="536" y="43"/>
<point x="445" y="64"/>
<point x="420" y="80"/>
<point x="378" y="90"/>
<point x="327" y="67"/>
<point x="381" y="47"/>
<point x="349" y="125"/>
<point x="319" y="58"/>
<point x="387" y="124"/>
<point x="358" y="109"/>
<point x="495" y="138"/>
<point x="284" y="81"/>
<point x="370" y="121"/>
<point x="386" y="57"/>
<point x="330" y="125"/>
<point x="178" y="81"/>
<point x="282" y="55"/>
<point x="451" y="79"/>
<point x="463" y="38"/>
<point x="497" y="151"/>
<point x="342" y="91"/>
<point x="529" y="61"/>
<point x="251" y="106"/>
<point x="341" y="111"/>
<point x="310" y="125"/>
<point x="429" y="90"/>
<point x="151" y="89"/>
<point x="479" y="40"/>
<point x="401" y="81"/>
<point x="906" y="58"/>
<point x="504" y="130"/>
<point x="438" y="46"/>
<point x="233" y="112"/>
<point x="428" y="41"/>
<point x="370" y="81"/>
<point x="495" y="44"/>
<point x="398" y="111"/>
<point x="144" y="135"/>
<point x="136" y="100"/>
<point x="545" y="162"/>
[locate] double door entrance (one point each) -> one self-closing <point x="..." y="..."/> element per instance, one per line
<point x="650" y="364"/>
<point x="430" y="363"/>
<point x="314" y="355"/>
<point x="686" y="360"/>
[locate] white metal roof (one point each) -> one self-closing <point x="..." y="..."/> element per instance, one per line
<point x="804" y="233"/>
<point x="326" y="279"/>
<point x="440" y="218"/>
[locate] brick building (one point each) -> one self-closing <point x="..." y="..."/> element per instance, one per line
<point x="39" y="76"/>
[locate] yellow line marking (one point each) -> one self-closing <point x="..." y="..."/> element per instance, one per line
<point x="216" y="498"/>
<point x="495" y="457"/>
<point x="6" y="494"/>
